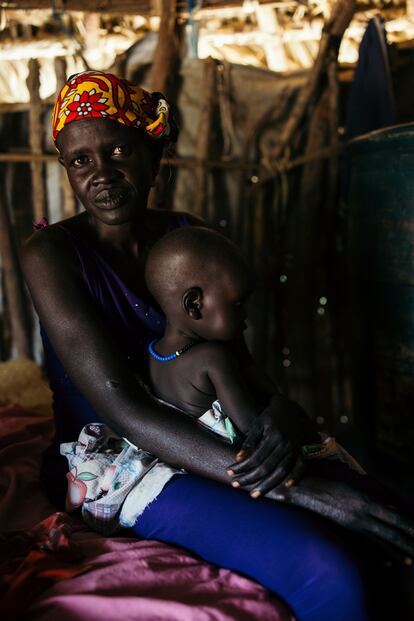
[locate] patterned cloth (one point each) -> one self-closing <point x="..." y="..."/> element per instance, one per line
<point x="329" y="448"/>
<point x="95" y="94"/>
<point x="113" y="481"/>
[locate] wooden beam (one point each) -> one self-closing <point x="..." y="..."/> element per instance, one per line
<point x="192" y="162"/>
<point x="24" y="106"/>
<point x="27" y="157"/>
<point x="145" y="7"/>
<point x="36" y="140"/>
<point x="134" y="7"/>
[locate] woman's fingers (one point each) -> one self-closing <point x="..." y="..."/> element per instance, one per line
<point x="253" y="437"/>
<point x="265" y="459"/>
<point x="258" y="457"/>
<point x="256" y="474"/>
<point x="296" y="473"/>
<point x="284" y="470"/>
<point x="274" y="479"/>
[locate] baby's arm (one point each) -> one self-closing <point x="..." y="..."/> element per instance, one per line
<point x="278" y="429"/>
<point x="224" y="373"/>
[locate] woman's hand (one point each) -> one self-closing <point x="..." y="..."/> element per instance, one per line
<point x="355" y="510"/>
<point x="271" y="452"/>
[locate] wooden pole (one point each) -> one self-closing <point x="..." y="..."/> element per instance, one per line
<point x="13" y="281"/>
<point x="68" y="197"/>
<point x="332" y="34"/>
<point x="163" y="79"/>
<point x="338" y="317"/>
<point x="203" y="136"/>
<point x="36" y="140"/>
<point x="333" y="91"/>
<point x="164" y="65"/>
<point x="60" y="72"/>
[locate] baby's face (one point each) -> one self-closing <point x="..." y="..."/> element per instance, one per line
<point x="224" y="312"/>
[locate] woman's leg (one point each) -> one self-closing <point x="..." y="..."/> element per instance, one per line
<point x="287" y="550"/>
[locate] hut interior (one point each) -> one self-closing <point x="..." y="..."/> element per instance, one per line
<point x="272" y="98"/>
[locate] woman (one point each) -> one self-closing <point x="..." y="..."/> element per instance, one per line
<point x="86" y="279"/>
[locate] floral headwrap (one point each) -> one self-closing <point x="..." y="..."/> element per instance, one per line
<point x="95" y="95"/>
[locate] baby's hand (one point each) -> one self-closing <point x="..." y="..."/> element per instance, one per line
<point x="271" y="452"/>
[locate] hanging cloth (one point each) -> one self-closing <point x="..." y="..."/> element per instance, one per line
<point x="371" y="103"/>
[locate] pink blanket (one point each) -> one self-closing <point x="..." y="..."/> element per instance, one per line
<point x="61" y="570"/>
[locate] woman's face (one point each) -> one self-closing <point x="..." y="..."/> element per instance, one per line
<point x="110" y="168"/>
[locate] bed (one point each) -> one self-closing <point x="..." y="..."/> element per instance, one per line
<point x="52" y="567"/>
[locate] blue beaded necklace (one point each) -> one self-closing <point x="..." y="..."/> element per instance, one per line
<point x="171" y="356"/>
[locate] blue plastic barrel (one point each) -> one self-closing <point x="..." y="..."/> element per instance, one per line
<point x="381" y="244"/>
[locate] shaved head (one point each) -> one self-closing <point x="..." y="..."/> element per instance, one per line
<point x="191" y="257"/>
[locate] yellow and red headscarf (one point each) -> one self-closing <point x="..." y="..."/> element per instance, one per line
<point x="95" y="95"/>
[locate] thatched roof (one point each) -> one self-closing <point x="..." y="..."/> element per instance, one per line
<point x="142" y="7"/>
<point x="107" y="6"/>
<point x="153" y="7"/>
<point x="280" y="36"/>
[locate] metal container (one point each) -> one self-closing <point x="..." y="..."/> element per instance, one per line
<point x="381" y="244"/>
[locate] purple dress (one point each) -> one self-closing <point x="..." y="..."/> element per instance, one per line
<point x="133" y="322"/>
<point x="292" y="553"/>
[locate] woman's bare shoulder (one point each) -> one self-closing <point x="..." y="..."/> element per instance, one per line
<point x="53" y="233"/>
<point x="50" y="243"/>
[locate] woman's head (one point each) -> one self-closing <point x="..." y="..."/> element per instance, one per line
<point x="110" y="135"/>
<point x="99" y="95"/>
<point x="201" y="282"/>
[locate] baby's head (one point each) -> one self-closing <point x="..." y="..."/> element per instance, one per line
<point x="201" y="281"/>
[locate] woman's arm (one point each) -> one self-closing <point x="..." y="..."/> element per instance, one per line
<point x="356" y="507"/>
<point x="92" y="359"/>
<point x="94" y="363"/>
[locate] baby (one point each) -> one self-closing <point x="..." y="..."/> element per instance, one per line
<point x="201" y="281"/>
